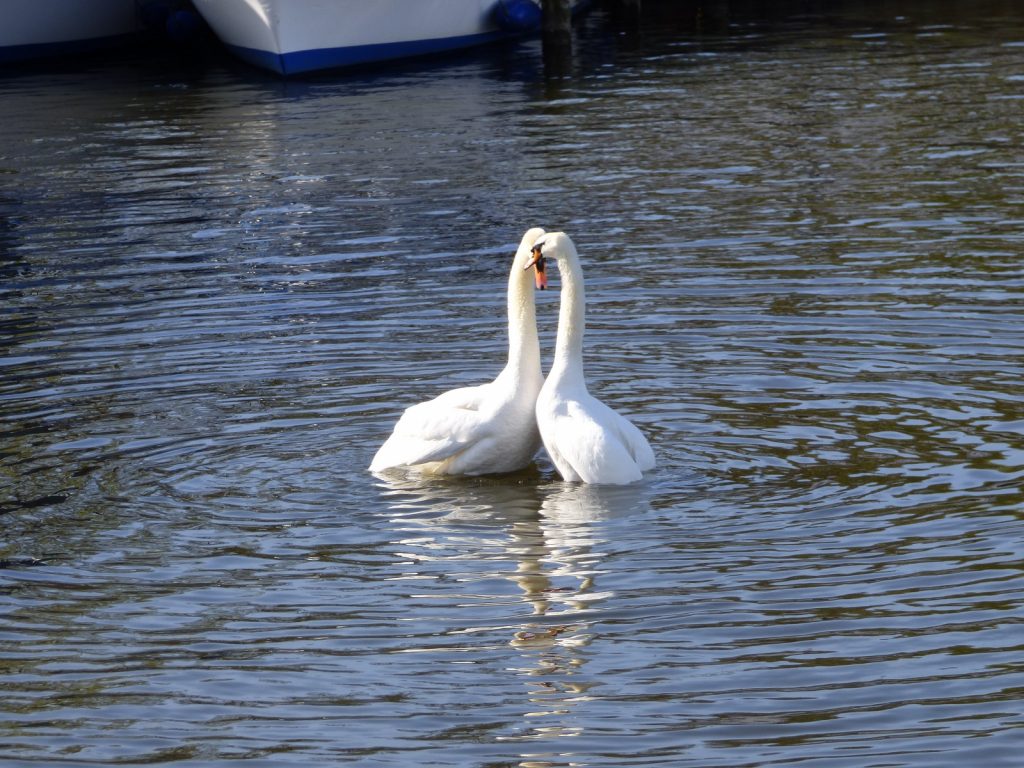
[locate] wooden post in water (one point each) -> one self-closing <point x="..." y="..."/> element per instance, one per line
<point x="556" y="31"/>
<point x="557" y="17"/>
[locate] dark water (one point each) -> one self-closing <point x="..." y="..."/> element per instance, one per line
<point x="802" y="240"/>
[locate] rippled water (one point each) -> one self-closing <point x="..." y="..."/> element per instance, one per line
<point x="803" y="244"/>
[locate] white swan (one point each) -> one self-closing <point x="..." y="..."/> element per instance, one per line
<point x="586" y="440"/>
<point x="487" y="429"/>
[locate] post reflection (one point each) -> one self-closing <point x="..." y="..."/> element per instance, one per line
<point x="551" y="540"/>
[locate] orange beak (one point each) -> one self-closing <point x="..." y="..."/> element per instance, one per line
<point x="540" y="277"/>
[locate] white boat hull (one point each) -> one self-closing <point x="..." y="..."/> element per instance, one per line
<point x="296" y="36"/>
<point x="32" y="29"/>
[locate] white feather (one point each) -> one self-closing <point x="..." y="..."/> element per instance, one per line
<point x="485" y="429"/>
<point x="586" y="440"/>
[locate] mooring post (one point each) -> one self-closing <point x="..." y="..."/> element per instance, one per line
<point x="556" y="31"/>
<point x="557" y="17"/>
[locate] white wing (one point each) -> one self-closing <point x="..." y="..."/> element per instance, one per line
<point x="434" y="430"/>
<point x="598" y="444"/>
<point x="635" y="441"/>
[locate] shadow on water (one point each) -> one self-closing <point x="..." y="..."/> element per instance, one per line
<point x="745" y="18"/>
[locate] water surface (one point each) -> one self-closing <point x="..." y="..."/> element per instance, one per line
<point x="802" y="243"/>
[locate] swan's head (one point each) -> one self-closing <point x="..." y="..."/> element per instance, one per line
<point x="525" y="255"/>
<point x="550" y="244"/>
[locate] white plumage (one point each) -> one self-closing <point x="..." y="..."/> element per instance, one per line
<point x="586" y="440"/>
<point x="485" y="429"/>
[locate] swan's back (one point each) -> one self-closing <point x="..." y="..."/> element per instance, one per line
<point x="433" y="430"/>
<point x="590" y="442"/>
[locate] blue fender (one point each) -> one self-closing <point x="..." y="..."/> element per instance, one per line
<point x="518" y="15"/>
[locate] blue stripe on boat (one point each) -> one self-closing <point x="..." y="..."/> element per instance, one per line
<point x="298" y="62"/>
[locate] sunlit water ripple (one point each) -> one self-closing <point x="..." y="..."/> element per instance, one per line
<point x="802" y="244"/>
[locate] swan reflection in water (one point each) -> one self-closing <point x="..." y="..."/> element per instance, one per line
<point x="559" y="556"/>
<point x="549" y="539"/>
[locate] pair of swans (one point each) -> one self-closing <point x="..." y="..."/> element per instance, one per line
<point x="498" y="427"/>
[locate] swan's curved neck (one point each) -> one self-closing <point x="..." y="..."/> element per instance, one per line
<point x="523" y="344"/>
<point x="568" y="361"/>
